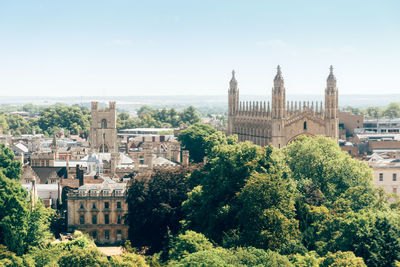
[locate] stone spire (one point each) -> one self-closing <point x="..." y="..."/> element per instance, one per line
<point x="278" y="75"/>
<point x="233" y="83"/>
<point x="331" y="76"/>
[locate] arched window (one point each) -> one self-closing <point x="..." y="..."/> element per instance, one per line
<point x="305" y="125"/>
<point x="104" y="123"/>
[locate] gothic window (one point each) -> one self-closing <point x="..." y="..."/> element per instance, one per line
<point x="305" y="125"/>
<point x="104" y="123"/>
<point x="82" y="206"/>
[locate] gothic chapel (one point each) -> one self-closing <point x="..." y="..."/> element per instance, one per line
<point x="278" y="124"/>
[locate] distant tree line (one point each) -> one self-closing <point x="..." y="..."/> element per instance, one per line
<point x="75" y="119"/>
<point x="390" y="111"/>
<point x="149" y="117"/>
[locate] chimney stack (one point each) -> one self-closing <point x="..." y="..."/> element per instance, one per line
<point x="79" y="175"/>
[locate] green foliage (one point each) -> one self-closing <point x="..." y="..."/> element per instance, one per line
<point x="194" y="139"/>
<point x="78" y="257"/>
<point x="231" y="206"/>
<point x="323" y="170"/>
<point x="343" y="259"/>
<point x="73" y="119"/>
<point x="21" y="226"/>
<point x="267" y="215"/>
<point x="128" y="260"/>
<point x="149" y="117"/>
<point x="155" y="206"/>
<point x="187" y="243"/>
<point x="232" y="257"/>
<point x="8" y="166"/>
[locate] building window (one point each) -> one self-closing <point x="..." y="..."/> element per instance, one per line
<point x="82" y="219"/>
<point x="119" y="219"/>
<point x="94" y="219"/>
<point x="394" y="177"/>
<point x="106" y="219"/>
<point x="381" y="177"/>
<point x="94" y="234"/>
<point x="119" y="235"/>
<point x="94" y="206"/>
<point x="107" y="234"/>
<point x="106" y="205"/>
<point x="305" y="125"/>
<point x="82" y="206"/>
<point x="104" y="123"/>
<point x="118" y="205"/>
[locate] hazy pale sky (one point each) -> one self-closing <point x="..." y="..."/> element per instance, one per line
<point x="107" y="48"/>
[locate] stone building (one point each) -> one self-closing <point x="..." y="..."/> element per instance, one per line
<point x="99" y="210"/>
<point x="103" y="128"/>
<point x="281" y="122"/>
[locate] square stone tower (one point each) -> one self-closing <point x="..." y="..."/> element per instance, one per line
<point x="103" y="128"/>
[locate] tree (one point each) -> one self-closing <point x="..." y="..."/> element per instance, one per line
<point x="372" y="235"/>
<point x="83" y="258"/>
<point x="190" y="115"/>
<point x="267" y="215"/>
<point x="21" y="225"/>
<point x="194" y="139"/>
<point x="213" y="208"/>
<point x="340" y="259"/>
<point x="187" y="243"/>
<point x="392" y="111"/>
<point x="8" y="166"/>
<point x="71" y="118"/>
<point x="319" y="164"/>
<point x="155" y="207"/>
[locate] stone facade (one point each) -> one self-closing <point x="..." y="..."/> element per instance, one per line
<point x="103" y="128"/>
<point x="282" y="122"/>
<point x="99" y="210"/>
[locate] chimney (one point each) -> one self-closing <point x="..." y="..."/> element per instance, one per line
<point x="79" y="175"/>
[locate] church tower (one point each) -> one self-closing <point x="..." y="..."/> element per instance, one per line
<point x="103" y="128"/>
<point x="233" y="102"/>
<point x="331" y="106"/>
<point x="278" y="110"/>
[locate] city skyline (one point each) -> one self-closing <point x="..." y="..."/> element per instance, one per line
<point x="188" y="48"/>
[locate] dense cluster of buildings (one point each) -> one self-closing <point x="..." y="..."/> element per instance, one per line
<point x="89" y="178"/>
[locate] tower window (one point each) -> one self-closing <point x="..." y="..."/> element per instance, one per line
<point x="305" y="125"/>
<point x="104" y="123"/>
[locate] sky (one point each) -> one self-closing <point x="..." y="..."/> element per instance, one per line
<point x="118" y="48"/>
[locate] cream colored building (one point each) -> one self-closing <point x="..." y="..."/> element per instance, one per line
<point x="99" y="210"/>
<point x="386" y="173"/>
<point x="281" y="122"/>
